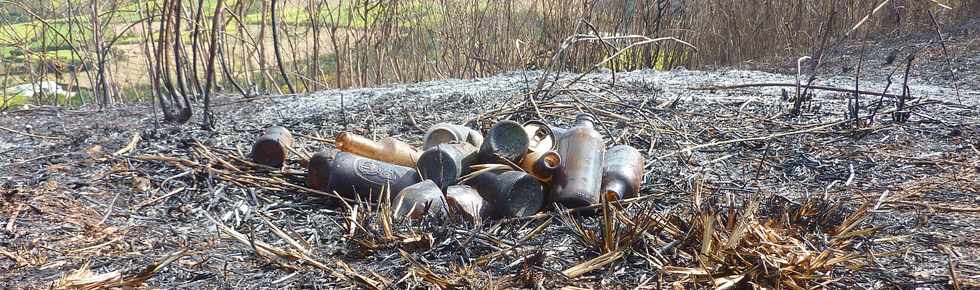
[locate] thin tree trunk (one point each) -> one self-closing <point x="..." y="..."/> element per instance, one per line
<point x="215" y="30"/>
<point x="277" y="49"/>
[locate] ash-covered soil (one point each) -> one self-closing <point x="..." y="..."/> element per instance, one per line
<point x="67" y="202"/>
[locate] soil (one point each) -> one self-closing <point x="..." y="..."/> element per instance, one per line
<point x="68" y="202"/>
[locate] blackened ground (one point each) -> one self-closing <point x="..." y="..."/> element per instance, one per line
<point x="67" y="201"/>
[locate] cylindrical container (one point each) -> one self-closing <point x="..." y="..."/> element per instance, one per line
<point x="505" y="140"/>
<point x="445" y="163"/>
<point x="271" y="148"/>
<point x="443" y="133"/>
<point x="578" y="180"/>
<point x="352" y="175"/>
<point x="542" y="165"/>
<point x="463" y="200"/>
<point x="420" y="199"/>
<point x="540" y="136"/>
<point x="623" y="172"/>
<point x="387" y="149"/>
<point x="509" y="193"/>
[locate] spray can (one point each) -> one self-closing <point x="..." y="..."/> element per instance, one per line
<point x="578" y="180"/>
<point x="509" y="193"/>
<point x="419" y="199"/>
<point x="271" y="148"/>
<point x="443" y="133"/>
<point x="623" y="173"/>
<point x="445" y="163"/>
<point x="506" y="140"/>
<point x="351" y="175"/>
<point x="464" y="201"/>
<point x="387" y="149"/>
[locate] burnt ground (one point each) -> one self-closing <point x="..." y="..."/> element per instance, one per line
<point x="890" y="204"/>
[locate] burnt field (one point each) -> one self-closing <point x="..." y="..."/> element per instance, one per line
<point x="752" y="186"/>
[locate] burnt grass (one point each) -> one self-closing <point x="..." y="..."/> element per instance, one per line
<point x="906" y="192"/>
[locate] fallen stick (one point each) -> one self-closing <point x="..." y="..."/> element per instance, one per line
<point x="825" y="88"/>
<point x="32" y="135"/>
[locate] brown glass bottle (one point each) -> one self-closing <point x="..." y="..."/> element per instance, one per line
<point x="270" y="149"/>
<point x="445" y="163"/>
<point x="466" y="202"/>
<point x="509" y="193"/>
<point x="623" y="172"/>
<point x="351" y="175"/>
<point x="444" y="133"/>
<point x="387" y="149"/>
<point x="418" y="200"/>
<point x="578" y="180"/>
<point x="505" y="140"/>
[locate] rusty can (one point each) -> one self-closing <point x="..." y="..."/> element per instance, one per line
<point x="578" y="180"/>
<point x="623" y="173"/>
<point x="506" y="140"/>
<point x="271" y="149"/>
<point x="445" y="163"/>
<point x="509" y="193"/>
<point x="419" y="200"/>
<point x="351" y="175"/>
<point x="466" y="202"/>
<point x="541" y="136"/>
<point x="541" y="165"/>
<point x="443" y="133"/>
<point x="387" y="149"/>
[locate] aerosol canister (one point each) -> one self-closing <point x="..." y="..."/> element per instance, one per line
<point x="444" y="133"/>
<point x="387" y="149"/>
<point x="351" y="175"/>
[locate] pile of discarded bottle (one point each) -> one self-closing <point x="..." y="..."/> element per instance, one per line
<point x="539" y="164"/>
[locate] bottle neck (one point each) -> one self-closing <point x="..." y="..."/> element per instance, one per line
<point x="585" y="120"/>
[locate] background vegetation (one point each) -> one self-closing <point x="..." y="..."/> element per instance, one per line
<point x="179" y="51"/>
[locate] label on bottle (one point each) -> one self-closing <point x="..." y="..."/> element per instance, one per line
<point x="374" y="172"/>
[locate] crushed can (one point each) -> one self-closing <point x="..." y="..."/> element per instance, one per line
<point x="623" y="172"/>
<point x="420" y="199"/>
<point x="579" y="178"/>
<point x="444" y="133"/>
<point x="445" y="163"/>
<point x="353" y="176"/>
<point x="464" y="201"/>
<point x="271" y="149"/>
<point x="541" y="165"/>
<point x="387" y="149"/>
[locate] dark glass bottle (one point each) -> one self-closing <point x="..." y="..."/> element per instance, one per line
<point x="351" y="175"/>
<point x="578" y="180"/>
<point x="623" y="173"/>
